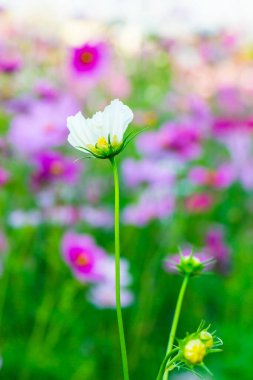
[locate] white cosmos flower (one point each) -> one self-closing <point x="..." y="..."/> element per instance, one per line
<point x="103" y="134"/>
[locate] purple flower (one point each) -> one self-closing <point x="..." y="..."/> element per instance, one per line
<point x="83" y="256"/>
<point x="155" y="203"/>
<point x="146" y="171"/>
<point x="42" y="128"/>
<point x="178" y="139"/>
<point x="46" y="90"/>
<point x="89" y="59"/>
<point x="223" y="126"/>
<point x="216" y="247"/>
<point x="53" y="166"/>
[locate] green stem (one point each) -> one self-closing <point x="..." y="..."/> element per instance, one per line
<point x="176" y="319"/>
<point x="165" y="363"/>
<point x="117" y="273"/>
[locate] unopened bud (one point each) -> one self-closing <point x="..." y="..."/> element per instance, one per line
<point x="206" y="338"/>
<point x="194" y="351"/>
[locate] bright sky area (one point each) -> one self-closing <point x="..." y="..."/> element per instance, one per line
<point x="166" y="16"/>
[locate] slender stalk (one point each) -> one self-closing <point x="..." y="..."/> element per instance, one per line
<point x="117" y="272"/>
<point x="176" y="319"/>
<point x="165" y="363"/>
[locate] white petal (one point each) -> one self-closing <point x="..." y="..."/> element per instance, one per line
<point x="79" y="130"/>
<point x="116" y="118"/>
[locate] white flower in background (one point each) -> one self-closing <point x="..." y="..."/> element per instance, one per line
<point x="106" y="269"/>
<point x="103" y="296"/>
<point x="103" y="134"/>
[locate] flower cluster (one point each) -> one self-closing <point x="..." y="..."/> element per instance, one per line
<point x="196" y="346"/>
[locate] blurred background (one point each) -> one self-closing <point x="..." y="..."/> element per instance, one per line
<point x="186" y="70"/>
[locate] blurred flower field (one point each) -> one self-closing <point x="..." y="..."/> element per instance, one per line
<point x="186" y="181"/>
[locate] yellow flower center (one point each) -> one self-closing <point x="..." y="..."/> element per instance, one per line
<point x="82" y="260"/>
<point x="102" y="143"/>
<point x="56" y="168"/>
<point x="86" y="57"/>
<point x="194" y="351"/>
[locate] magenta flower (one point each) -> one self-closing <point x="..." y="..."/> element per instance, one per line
<point x="178" y="139"/>
<point x="223" y="126"/>
<point x="9" y="64"/>
<point x="53" y="166"/>
<point x="83" y="256"/>
<point x="221" y="177"/>
<point x="89" y="59"/>
<point x="198" y="203"/>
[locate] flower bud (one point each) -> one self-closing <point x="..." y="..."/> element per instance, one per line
<point x="194" y="351"/>
<point x="190" y="265"/>
<point x="206" y="338"/>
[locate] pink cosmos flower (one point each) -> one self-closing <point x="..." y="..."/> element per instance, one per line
<point x="9" y="64"/>
<point x="221" y="177"/>
<point x="198" y="203"/>
<point x="53" y="166"/>
<point x="89" y="59"/>
<point x="4" y="176"/>
<point x="42" y="128"/>
<point x="146" y="171"/>
<point x="155" y="203"/>
<point x="83" y="256"/>
<point x="225" y="125"/>
<point x="181" y="140"/>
